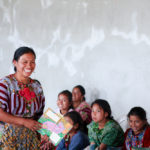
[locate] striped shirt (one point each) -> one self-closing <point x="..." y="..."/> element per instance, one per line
<point x="12" y="102"/>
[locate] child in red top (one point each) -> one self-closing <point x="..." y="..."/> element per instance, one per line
<point x="138" y="135"/>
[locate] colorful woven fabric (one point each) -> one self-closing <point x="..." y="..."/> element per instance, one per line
<point x="85" y="111"/>
<point x="16" y="137"/>
<point x="23" y="100"/>
<point x="134" y="140"/>
<point x="111" y="134"/>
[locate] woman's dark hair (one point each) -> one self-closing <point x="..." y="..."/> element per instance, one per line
<point x="82" y="90"/>
<point x="139" y="112"/>
<point x="69" y="96"/>
<point x="105" y="106"/>
<point x="76" y="118"/>
<point x="21" y="51"/>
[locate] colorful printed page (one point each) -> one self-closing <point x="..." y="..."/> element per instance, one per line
<point x="54" y="126"/>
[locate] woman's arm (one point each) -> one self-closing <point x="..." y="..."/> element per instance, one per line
<point x="29" y="123"/>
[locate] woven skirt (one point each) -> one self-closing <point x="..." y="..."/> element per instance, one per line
<point x="19" y="138"/>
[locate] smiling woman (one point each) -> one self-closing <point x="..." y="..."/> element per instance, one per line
<point x="21" y="103"/>
<point x="24" y="64"/>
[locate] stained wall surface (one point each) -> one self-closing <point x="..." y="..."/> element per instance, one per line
<point x="103" y="45"/>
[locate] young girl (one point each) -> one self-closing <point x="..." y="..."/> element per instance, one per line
<point x="103" y="131"/>
<point x="138" y="135"/>
<point x="75" y="139"/>
<point x="64" y="102"/>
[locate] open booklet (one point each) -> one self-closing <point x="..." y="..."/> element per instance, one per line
<point x="54" y="126"/>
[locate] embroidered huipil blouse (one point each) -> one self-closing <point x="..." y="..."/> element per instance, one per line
<point x="85" y="111"/>
<point x="111" y="135"/>
<point x="24" y="100"/>
<point x="134" y="140"/>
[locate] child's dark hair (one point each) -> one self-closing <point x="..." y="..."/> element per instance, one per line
<point x="76" y="118"/>
<point x="105" y="106"/>
<point x="139" y="112"/>
<point x="68" y="94"/>
<point x="21" y="51"/>
<point x="82" y="90"/>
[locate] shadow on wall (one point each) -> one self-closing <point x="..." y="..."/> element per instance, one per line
<point x="95" y="94"/>
<point x="123" y="122"/>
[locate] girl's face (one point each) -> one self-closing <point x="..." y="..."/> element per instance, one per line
<point x="25" y="65"/>
<point x="136" y="124"/>
<point x="76" y="95"/>
<point x="98" y="114"/>
<point x="68" y="119"/>
<point x="75" y="126"/>
<point x="63" y="102"/>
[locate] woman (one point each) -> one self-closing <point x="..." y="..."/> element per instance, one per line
<point x="21" y="103"/>
<point x="138" y="135"/>
<point x="81" y="106"/>
<point x="104" y="132"/>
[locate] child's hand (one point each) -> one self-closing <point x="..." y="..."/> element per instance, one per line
<point x="47" y="146"/>
<point x="45" y="143"/>
<point x="93" y="146"/>
<point x="44" y="138"/>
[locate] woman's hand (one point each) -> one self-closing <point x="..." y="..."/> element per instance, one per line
<point x="32" y="124"/>
<point x="29" y="123"/>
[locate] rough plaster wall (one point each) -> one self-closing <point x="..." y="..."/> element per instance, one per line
<point x="103" y="45"/>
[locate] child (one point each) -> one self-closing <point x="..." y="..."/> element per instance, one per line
<point x="75" y="139"/>
<point x="103" y="131"/>
<point x="138" y="135"/>
<point x="64" y="102"/>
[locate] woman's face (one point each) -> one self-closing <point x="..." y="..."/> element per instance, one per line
<point x="63" y="102"/>
<point x="76" y="95"/>
<point x="25" y="65"/>
<point x="98" y="114"/>
<point x="136" y="124"/>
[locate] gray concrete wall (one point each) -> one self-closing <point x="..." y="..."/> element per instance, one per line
<point x="103" y="45"/>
